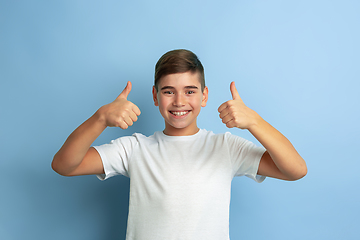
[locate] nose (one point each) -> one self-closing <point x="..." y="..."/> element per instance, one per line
<point x="179" y="100"/>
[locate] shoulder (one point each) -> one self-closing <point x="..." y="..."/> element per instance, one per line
<point x="126" y="143"/>
<point x="133" y="137"/>
<point x="131" y="140"/>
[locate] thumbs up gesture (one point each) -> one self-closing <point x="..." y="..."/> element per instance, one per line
<point x="121" y="112"/>
<point x="234" y="113"/>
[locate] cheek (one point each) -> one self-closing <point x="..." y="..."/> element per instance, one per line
<point x="196" y="103"/>
<point x="162" y="104"/>
<point x="199" y="101"/>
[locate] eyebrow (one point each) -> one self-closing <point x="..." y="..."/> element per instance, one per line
<point x="186" y="87"/>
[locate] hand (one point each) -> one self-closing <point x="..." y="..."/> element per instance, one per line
<point x="234" y="113"/>
<point x="121" y="112"/>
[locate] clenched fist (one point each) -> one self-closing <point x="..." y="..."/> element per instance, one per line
<point x="234" y="113"/>
<point x="121" y="112"/>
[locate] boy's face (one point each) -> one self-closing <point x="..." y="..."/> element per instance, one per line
<point x="179" y="98"/>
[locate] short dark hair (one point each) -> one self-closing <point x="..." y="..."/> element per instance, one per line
<point x="178" y="61"/>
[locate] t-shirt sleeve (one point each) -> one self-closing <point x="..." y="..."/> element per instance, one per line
<point x="115" y="156"/>
<point x="245" y="157"/>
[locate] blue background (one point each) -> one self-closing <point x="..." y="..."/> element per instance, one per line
<point x="295" y="62"/>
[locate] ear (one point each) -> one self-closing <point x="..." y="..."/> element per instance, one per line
<point x="154" y="92"/>
<point x="205" y="97"/>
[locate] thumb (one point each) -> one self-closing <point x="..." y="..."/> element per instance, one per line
<point x="234" y="92"/>
<point x="124" y="94"/>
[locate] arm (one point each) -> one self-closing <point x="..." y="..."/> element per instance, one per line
<point x="76" y="157"/>
<point x="281" y="160"/>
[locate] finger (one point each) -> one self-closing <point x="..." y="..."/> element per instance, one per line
<point x="234" y="93"/>
<point x="124" y="94"/>
<point x="227" y="118"/>
<point x="231" y="124"/>
<point x="122" y="125"/>
<point x="222" y="107"/>
<point x="128" y="121"/>
<point x="224" y="112"/>
<point x="229" y="121"/>
<point x="133" y="116"/>
<point x="136" y="110"/>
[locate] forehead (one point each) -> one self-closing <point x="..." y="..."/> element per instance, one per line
<point x="180" y="80"/>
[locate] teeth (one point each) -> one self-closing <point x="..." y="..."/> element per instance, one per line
<point x="179" y="113"/>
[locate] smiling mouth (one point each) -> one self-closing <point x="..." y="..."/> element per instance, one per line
<point x="179" y="113"/>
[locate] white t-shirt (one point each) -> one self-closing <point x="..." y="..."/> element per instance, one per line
<point x="180" y="185"/>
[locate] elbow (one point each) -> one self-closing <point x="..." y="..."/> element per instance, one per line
<point x="300" y="173"/>
<point x="56" y="166"/>
<point x="303" y="170"/>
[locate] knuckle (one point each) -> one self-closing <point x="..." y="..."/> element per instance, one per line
<point x="232" y="108"/>
<point x="124" y="126"/>
<point x="124" y="114"/>
<point x="230" y="103"/>
<point x="119" y="122"/>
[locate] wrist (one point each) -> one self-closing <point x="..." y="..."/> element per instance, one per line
<point x="99" y="117"/>
<point x="256" y="123"/>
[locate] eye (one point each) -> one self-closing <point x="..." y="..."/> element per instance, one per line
<point x="168" y="92"/>
<point x="190" y="92"/>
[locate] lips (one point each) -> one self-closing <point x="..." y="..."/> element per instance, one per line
<point x="179" y="113"/>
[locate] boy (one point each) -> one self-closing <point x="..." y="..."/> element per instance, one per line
<point x="180" y="178"/>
